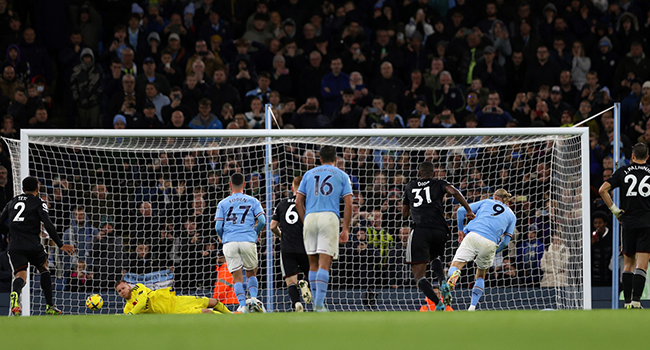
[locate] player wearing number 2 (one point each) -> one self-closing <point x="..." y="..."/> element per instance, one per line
<point x="423" y="200"/>
<point x="487" y="234"/>
<point x="235" y="225"/>
<point x="317" y="203"/>
<point x="293" y="259"/>
<point x="634" y="215"/>
<point x="25" y="213"/>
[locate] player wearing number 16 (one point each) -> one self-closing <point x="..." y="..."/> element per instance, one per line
<point x="317" y="203"/>
<point x="235" y="225"/>
<point x="25" y="213"/>
<point x="634" y="215"/>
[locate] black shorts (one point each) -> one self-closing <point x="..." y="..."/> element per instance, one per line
<point x="19" y="258"/>
<point x="425" y="244"/>
<point x="294" y="263"/>
<point x="636" y="240"/>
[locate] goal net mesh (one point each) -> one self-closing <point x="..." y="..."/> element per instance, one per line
<point x="142" y="209"/>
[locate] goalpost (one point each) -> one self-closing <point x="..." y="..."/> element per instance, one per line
<point x="141" y="203"/>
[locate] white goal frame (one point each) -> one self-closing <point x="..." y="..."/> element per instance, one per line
<point x="582" y="132"/>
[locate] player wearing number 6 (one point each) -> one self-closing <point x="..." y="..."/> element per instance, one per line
<point x="235" y="225"/>
<point x="634" y="215"/>
<point x="423" y="201"/>
<point x="293" y="259"/>
<point x="487" y="234"/>
<point x="317" y="203"/>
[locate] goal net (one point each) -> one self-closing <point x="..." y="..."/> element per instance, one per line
<point x="142" y="208"/>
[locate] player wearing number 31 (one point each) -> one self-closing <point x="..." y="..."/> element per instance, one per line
<point x="317" y="203"/>
<point x="487" y="234"/>
<point x="634" y="215"/>
<point x="235" y="225"/>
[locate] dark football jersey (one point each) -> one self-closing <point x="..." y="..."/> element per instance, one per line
<point x="25" y="213"/>
<point x="424" y="197"/>
<point x="634" y="181"/>
<point x="290" y="225"/>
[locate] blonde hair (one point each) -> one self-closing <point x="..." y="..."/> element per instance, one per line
<point x="503" y="194"/>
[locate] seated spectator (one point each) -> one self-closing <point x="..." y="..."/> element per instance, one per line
<point x="554" y="264"/>
<point x="8" y="129"/>
<point x="241" y="121"/>
<point x="119" y="122"/>
<point x="176" y="105"/>
<point x="308" y="116"/>
<point x="148" y="119"/>
<point x="255" y="116"/>
<point x="391" y="119"/>
<point x="493" y="116"/>
<point x="40" y="120"/>
<point x="448" y="96"/>
<point x="205" y="119"/>
<point x="539" y="117"/>
<point x="151" y="76"/>
<point x="9" y="82"/>
<point x="371" y="117"/>
<point x="529" y="255"/>
<point x="348" y="114"/>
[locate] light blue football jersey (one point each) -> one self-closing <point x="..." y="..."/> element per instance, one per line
<point x="237" y="214"/>
<point x="493" y="220"/>
<point x="323" y="188"/>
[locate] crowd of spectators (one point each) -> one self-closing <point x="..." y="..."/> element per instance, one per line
<point x="180" y="64"/>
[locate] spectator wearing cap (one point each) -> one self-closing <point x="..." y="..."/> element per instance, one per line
<point x="566" y="119"/>
<point x="151" y="48"/>
<point x="348" y="113"/>
<point x="158" y="99"/>
<point x="604" y="61"/>
<point x="215" y="25"/>
<point x="501" y="41"/>
<point x="205" y="119"/>
<point x="119" y="122"/>
<point x="136" y="35"/>
<point x="332" y="86"/>
<point x="491" y="73"/>
<point x="86" y="86"/>
<point x="541" y="71"/>
<point x="178" y="52"/>
<point x="493" y="116"/>
<point x="556" y="106"/>
<point x="151" y="76"/>
<point x="148" y="119"/>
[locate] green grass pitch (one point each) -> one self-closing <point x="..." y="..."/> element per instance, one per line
<point x="597" y="329"/>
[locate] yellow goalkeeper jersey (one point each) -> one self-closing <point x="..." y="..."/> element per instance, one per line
<point x="146" y="301"/>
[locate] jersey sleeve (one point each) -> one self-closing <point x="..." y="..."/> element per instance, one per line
<point x="345" y="182"/>
<point x="615" y="179"/>
<point x="257" y="208"/>
<point x="275" y="212"/>
<point x="510" y="230"/>
<point x="43" y="212"/>
<point x="303" y="185"/>
<point x="219" y="215"/>
<point x="140" y="300"/>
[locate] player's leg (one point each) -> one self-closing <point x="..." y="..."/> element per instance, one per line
<point x="328" y="245"/>
<point x="240" y="292"/>
<point x="479" y="288"/>
<point x="251" y="276"/>
<point x="310" y="238"/>
<point x="18" y="262"/>
<point x="46" y="286"/>
<point x="248" y="252"/>
<point x="303" y="266"/>
<point x="289" y="271"/>
<point x="642" y="257"/>
<point x="419" y="275"/>
<point x="629" y="258"/>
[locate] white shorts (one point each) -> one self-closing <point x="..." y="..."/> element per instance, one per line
<point x="321" y="233"/>
<point x="477" y="248"/>
<point x="240" y="255"/>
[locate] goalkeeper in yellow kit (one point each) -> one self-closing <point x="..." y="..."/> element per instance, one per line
<point x="142" y="300"/>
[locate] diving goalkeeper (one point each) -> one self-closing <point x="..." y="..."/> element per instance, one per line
<point x="142" y="300"/>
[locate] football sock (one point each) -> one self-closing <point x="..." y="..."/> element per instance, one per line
<point x="293" y="294"/>
<point x="46" y="286"/>
<point x="628" y="283"/>
<point x="18" y="285"/>
<point x="639" y="283"/>
<point x="312" y="282"/>
<point x="322" y="279"/>
<point x="252" y="286"/>
<point x="438" y="270"/>
<point x="241" y="294"/>
<point x="477" y="291"/>
<point x="425" y="286"/>
<point x="451" y="271"/>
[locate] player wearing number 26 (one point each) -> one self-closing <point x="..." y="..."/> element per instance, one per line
<point x="235" y="225"/>
<point x="317" y="203"/>
<point x="487" y="234"/>
<point x="634" y="215"/>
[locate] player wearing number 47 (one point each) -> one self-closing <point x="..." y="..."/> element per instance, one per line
<point x="487" y="234"/>
<point x="235" y="225"/>
<point x="634" y="215"/>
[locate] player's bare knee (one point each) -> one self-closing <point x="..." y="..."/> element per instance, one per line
<point x="251" y="273"/>
<point x="480" y="273"/>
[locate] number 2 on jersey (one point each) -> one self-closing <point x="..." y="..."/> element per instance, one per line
<point x="418" y="198"/>
<point x="232" y="217"/>
<point x="644" y="186"/>
<point x="20" y="206"/>
<point x="324" y="188"/>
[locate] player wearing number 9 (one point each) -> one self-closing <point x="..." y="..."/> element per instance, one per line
<point x="634" y="215"/>
<point x="25" y="213"/>
<point x="487" y="234"/>
<point x="236" y="226"/>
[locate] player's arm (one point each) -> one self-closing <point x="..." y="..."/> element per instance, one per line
<point x="607" y="198"/>
<point x="51" y="230"/>
<point x="300" y="205"/>
<point x="275" y="229"/>
<point x="218" y="222"/>
<point x="140" y="301"/>
<point x="451" y="190"/>
<point x="261" y="221"/>
<point x="406" y="211"/>
<point x="507" y="235"/>
<point x="347" y="217"/>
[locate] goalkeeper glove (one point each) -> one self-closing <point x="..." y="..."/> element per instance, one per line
<point x="616" y="211"/>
